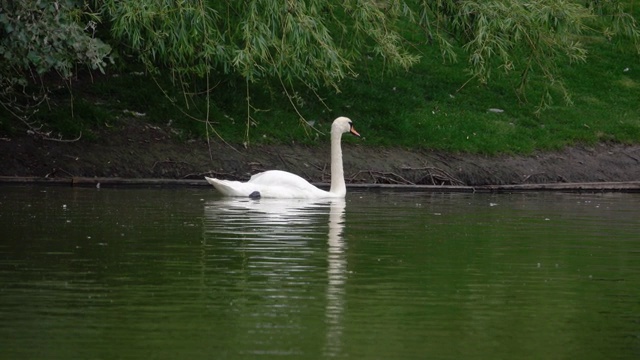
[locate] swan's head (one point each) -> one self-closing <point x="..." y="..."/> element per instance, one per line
<point x="343" y="125"/>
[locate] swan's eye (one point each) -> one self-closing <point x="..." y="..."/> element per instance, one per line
<point x="350" y="124"/>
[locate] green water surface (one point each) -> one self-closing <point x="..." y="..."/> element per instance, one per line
<point x="186" y="274"/>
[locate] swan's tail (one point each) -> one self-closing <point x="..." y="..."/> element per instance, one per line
<point x="229" y="188"/>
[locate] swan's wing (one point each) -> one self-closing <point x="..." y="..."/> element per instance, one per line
<point x="270" y="184"/>
<point x="279" y="178"/>
<point x="282" y="184"/>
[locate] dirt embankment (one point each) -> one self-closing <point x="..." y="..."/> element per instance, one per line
<point x="146" y="151"/>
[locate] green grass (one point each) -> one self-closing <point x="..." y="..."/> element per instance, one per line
<point x="434" y="105"/>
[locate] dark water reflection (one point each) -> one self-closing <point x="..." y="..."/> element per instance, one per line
<point x="289" y="257"/>
<point x="134" y="273"/>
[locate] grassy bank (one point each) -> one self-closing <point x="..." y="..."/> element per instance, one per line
<point x="435" y="105"/>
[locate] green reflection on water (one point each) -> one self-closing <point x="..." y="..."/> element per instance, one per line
<point x="130" y="273"/>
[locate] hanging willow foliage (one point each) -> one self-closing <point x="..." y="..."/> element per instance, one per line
<point x="257" y="39"/>
<point x="316" y="42"/>
<point x="527" y="37"/>
<point x="313" y="42"/>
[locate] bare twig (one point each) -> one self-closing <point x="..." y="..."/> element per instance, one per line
<point x="64" y="140"/>
<point x="36" y="130"/>
<point x="631" y="156"/>
<point x="55" y="170"/>
<point x="530" y="175"/>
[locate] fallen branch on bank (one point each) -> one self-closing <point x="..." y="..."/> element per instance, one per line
<point x="435" y="176"/>
<point x="211" y="173"/>
<point x="381" y="177"/>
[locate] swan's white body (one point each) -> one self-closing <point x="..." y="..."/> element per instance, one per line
<point x="282" y="184"/>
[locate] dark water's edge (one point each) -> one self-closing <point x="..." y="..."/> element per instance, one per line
<point x="625" y="186"/>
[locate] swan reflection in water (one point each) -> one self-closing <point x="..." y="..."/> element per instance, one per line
<point x="279" y="241"/>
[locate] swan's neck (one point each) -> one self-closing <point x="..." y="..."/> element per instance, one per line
<point x="338" y="186"/>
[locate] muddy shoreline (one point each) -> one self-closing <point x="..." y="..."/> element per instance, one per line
<point x="150" y="152"/>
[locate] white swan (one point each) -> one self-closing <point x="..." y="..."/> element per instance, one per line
<point x="282" y="184"/>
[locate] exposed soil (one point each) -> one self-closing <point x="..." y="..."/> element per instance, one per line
<point x="140" y="150"/>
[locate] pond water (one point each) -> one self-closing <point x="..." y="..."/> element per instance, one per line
<point x="183" y="273"/>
